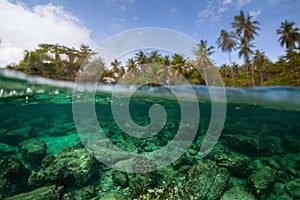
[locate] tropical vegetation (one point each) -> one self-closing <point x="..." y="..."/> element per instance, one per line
<point x="61" y="62"/>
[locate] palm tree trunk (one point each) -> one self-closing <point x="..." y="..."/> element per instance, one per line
<point x="252" y="74"/>
<point x="261" y="78"/>
<point x="231" y="68"/>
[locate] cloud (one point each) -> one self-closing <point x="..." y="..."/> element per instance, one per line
<point x="274" y="2"/>
<point x="254" y="13"/>
<point x="174" y="11"/>
<point x="135" y="18"/>
<point x="241" y="3"/>
<point x="226" y="2"/>
<point x="23" y="28"/>
<point x="123" y="8"/>
<point x="213" y="11"/>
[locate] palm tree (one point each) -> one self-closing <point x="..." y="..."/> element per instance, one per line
<point x="245" y="50"/>
<point x="154" y="57"/>
<point x="244" y="26"/>
<point x="227" y="42"/>
<point x="131" y="68"/>
<point x="141" y="60"/>
<point x="178" y="62"/>
<point x="166" y="60"/>
<point x="259" y="61"/>
<point x="131" y="64"/>
<point x="115" y="67"/>
<point x="203" y="60"/>
<point x="246" y="29"/>
<point x="288" y="35"/>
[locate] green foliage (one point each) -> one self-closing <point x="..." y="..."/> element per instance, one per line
<point x="61" y="62"/>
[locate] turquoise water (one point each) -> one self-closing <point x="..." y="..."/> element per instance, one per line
<point x="260" y="136"/>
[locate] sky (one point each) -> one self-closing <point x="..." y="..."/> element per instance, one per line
<point x="27" y="23"/>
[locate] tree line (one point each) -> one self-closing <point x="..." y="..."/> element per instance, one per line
<point x="61" y="62"/>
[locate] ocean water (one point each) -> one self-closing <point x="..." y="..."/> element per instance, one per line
<point x="261" y="132"/>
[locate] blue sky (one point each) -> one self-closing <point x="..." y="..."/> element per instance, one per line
<point x="92" y="21"/>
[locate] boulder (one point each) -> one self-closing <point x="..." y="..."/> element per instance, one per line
<point x="14" y="137"/>
<point x="120" y="178"/>
<point x="237" y="192"/>
<point x="112" y="196"/>
<point x="293" y="188"/>
<point x="33" y="151"/>
<point x="238" y="165"/>
<point x="56" y="132"/>
<point x="253" y="145"/>
<point x="6" y="150"/>
<point x="165" y="193"/>
<point x="207" y="179"/>
<point x="13" y="176"/>
<point x="51" y="192"/>
<point x="70" y="167"/>
<point x="261" y="182"/>
<point x="84" y="193"/>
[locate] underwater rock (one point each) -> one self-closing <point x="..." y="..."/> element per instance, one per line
<point x="164" y="193"/>
<point x="253" y="145"/>
<point x="101" y="150"/>
<point x="3" y="131"/>
<point x="260" y="183"/>
<point x="84" y="193"/>
<point x="33" y="151"/>
<point x="120" y="178"/>
<point x="14" y="137"/>
<point x="56" y="132"/>
<point x="185" y="159"/>
<point x="112" y="196"/>
<point x="293" y="188"/>
<point x="237" y="164"/>
<point x="51" y="192"/>
<point x="207" y="179"/>
<point x="6" y="149"/>
<point x="13" y="176"/>
<point x="237" y="192"/>
<point x="70" y="167"/>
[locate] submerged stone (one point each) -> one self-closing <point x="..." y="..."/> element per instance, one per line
<point x="260" y="183"/>
<point x="113" y="196"/>
<point x="293" y="188"/>
<point x="165" y="193"/>
<point x="14" y="137"/>
<point x="13" y="176"/>
<point x="238" y="165"/>
<point x="6" y="150"/>
<point x="207" y="179"/>
<point x="84" y="193"/>
<point x="120" y="178"/>
<point x="253" y="145"/>
<point x="70" y="167"/>
<point x="44" y="193"/>
<point x="238" y="193"/>
<point x="33" y="151"/>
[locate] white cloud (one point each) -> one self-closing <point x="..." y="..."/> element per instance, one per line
<point x="174" y="11"/>
<point x="226" y="2"/>
<point x="254" y="13"/>
<point x="23" y="28"/>
<point x="123" y="8"/>
<point x="135" y="18"/>
<point x="213" y="11"/>
<point x="274" y="2"/>
<point x="241" y="3"/>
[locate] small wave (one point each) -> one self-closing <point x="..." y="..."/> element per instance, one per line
<point x="13" y="83"/>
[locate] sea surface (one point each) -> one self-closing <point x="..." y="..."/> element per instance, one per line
<point x="260" y="137"/>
